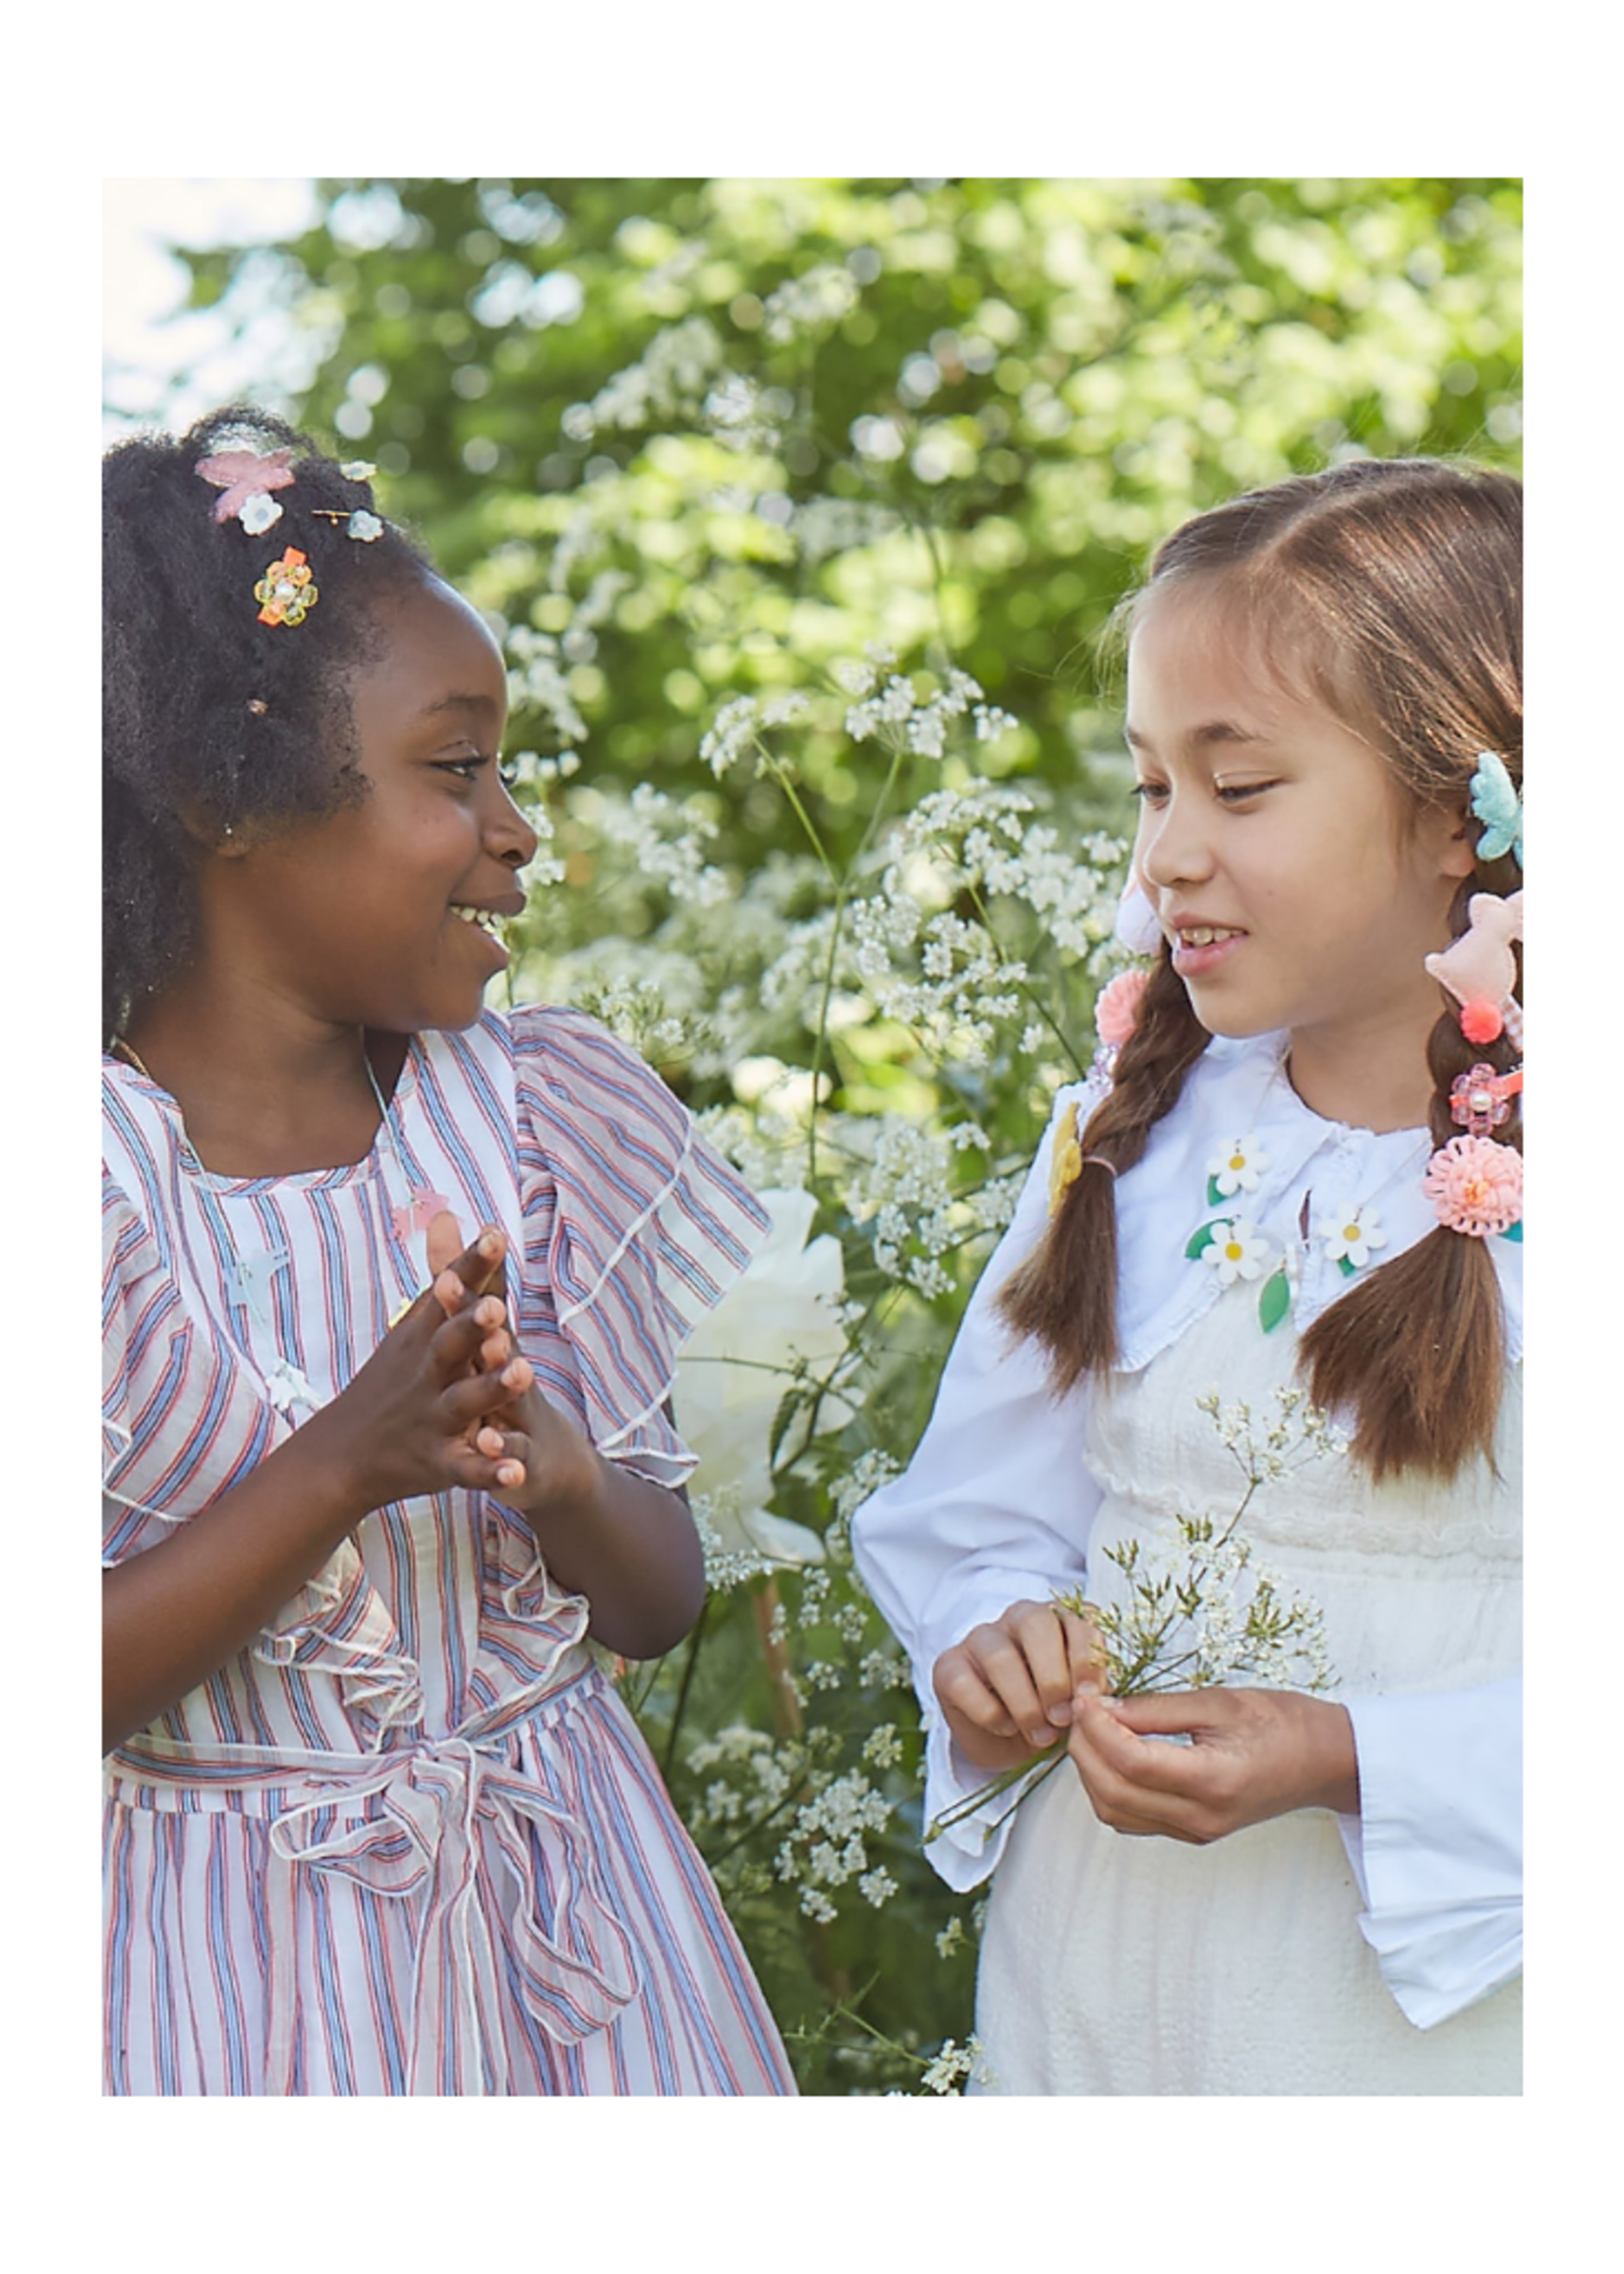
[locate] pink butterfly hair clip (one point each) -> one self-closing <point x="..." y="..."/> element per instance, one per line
<point x="247" y="482"/>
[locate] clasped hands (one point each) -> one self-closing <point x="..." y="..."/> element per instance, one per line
<point x="537" y="1451"/>
<point x="1036" y="1673"/>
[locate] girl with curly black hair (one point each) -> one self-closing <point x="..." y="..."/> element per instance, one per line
<point x="378" y="1822"/>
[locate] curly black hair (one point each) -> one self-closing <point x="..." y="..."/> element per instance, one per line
<point x="212" y="720"/>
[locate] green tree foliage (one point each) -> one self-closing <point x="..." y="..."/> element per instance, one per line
<point x="801" y="507"/>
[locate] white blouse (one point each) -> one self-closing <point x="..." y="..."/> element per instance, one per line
<point x="997" y="1504"/>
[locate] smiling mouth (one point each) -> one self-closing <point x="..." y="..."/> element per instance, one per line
<point x="486" y="920"/>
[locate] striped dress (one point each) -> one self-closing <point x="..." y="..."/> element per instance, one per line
<point x="410" y="1841"/>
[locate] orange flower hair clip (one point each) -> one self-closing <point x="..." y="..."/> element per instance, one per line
<point x="286" y="592"/>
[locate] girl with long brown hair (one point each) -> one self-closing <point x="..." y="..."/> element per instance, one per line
<point x="1294" y="1183"/>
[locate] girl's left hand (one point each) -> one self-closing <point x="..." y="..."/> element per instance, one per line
<point x="1254" y="1754"/>
<point x="541" y="1456"/>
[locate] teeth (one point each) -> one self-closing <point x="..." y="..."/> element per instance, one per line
<point x="1204" y="935"/>
<point x="483" y="918"/>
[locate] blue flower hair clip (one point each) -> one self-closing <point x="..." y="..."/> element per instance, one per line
<point x="1495" y="801"/>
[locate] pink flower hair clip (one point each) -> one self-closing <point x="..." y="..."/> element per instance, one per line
<point x="1476" y="1187"/>
<point x="1117" y="1007"/>
<point x="246" y="481"/>
<point x="1479" y="970"/>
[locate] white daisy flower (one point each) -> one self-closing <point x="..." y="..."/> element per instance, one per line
<point x="1349" y="1233"/>
<point x="1238" y="1167"/>
<point x="1236" y="1251"/>
<point x="365" y="527"/>
<point x="258" y="512"/>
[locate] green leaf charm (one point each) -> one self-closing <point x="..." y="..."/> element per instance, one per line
<point x="1214" y="1197"/>
<point x="1512" y="1231"/>
<point x="1346" y="1268"/>
<point x="1203" y="1238"/>
<point x="1275" y="1300"/>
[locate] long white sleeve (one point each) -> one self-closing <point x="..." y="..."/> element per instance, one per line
<point x="1437" y="1846"/>
<point x="995" y="1507"/>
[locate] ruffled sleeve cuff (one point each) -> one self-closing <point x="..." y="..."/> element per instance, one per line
<point x="635" y="1228"/>
<point x="145" y="1344"/>
<point x="1437" y="1846"/>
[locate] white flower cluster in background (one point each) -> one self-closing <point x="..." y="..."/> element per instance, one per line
<point x="669" y="379"/>
<point x="904" y="1195"/>
<point x="818" y="297"/>
<point x="826" y="1847"/>
<point x="823" y="526"/>
<point x="538" y="684"/>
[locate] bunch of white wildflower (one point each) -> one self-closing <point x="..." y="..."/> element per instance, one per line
<point x="823" y="526"/>
<point x="981" y="837"/>
<point x="538" y="683"/>
<point x="962" y="986"/>
<point x="661" y="839"/>
<point x="818" y="297"/>
<point x="749" y="1770"/>
<point x="1196" y="1607"/>
<point x="767" y="1148"/>
<point x="638" y="1006"/>
<point x="955" y="2067"/>
<point x="738" y="725"/>
<point x="904" y="1197"/>
<point x="669" y="379"/>
<point x="825" y="1847"/>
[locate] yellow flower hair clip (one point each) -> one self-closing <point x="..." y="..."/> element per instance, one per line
<point x="1066" y="1162"/>
<point x="286" y="593"/>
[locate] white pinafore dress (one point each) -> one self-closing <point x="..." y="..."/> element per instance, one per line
<point x="1130" y="1965"/>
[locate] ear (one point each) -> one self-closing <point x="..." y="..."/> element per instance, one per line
<point x="1452" y="841"/>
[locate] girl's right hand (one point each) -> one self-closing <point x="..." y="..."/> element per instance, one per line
<point x="1005" y="1690"/>
<point x="407" y="1422"/>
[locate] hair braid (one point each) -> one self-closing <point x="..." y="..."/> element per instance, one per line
<point x="1416" y="1349"/>
<point x="1064" y="1292"/>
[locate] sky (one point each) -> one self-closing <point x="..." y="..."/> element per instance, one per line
<point x="148" y="336"/>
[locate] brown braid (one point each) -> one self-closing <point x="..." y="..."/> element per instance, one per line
<point x="1418" y="1347"/>
<point x="1066" y="1292"/>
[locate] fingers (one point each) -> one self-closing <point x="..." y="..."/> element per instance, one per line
<point x="1138" y="1785"/>
<point x="511" y="1452"/>
<point x="1011" y="1676"/>
<point x="1084" y="1652"/>
<point x="471" y="1397"/>
<point x="477" y="1269"/>
<point x="444" y="1241"/>
<point x="475" y="1336"/>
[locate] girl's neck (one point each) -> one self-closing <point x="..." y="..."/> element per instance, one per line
<point x="262" y="1088"/>
<point x="1374" y="1078"/>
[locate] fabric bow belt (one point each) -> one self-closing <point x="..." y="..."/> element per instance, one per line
<point x="452" y="1809"/>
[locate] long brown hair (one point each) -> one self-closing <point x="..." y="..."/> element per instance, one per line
<point x="1390" y="592"/>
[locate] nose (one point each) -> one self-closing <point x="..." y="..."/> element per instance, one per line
<point x="508" y="837"/>
<point x="1175" y="845"/>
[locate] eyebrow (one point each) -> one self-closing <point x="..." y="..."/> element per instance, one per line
<point x="1202" y="737"/>
<point x="458" y="703"/>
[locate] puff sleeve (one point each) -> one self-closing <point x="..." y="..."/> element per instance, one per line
<point x="633" y="1228"/>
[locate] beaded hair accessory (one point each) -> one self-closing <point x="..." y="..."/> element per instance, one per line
<point x="1474" y="1182"/>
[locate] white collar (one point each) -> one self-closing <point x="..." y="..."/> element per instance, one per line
<point x="1235" y="1090"/>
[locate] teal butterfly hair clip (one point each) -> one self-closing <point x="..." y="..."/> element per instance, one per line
<point x="1495" y="801"/>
